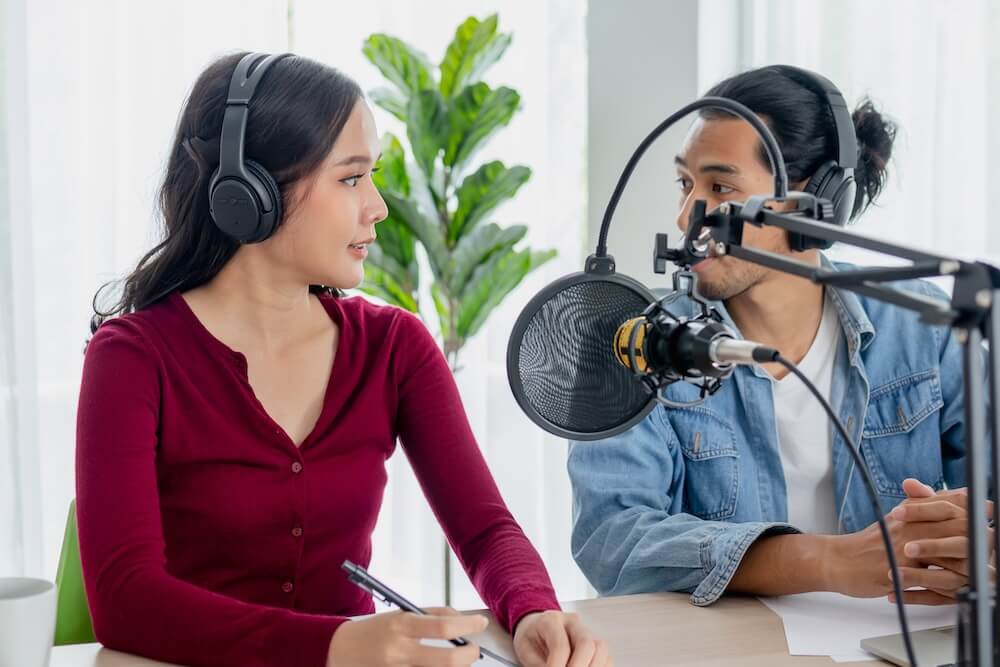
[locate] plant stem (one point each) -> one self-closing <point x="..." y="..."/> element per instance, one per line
<point x="451" y="346"/>
<point x="443" y="213"/>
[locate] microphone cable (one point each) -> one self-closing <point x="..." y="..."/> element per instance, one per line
<point x="859" y="463"/>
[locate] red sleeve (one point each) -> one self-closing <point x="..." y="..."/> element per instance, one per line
<point x="435" y="433"/>
<point x="136" y="605"/>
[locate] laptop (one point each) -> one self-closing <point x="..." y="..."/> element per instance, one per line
<point x="937" y="647"/>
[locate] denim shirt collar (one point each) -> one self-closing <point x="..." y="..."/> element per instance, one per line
<point x="857" y="326"/>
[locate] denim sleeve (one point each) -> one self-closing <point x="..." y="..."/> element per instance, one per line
<point x="630" y="534"/>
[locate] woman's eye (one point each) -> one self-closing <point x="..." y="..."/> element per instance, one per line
<point x="722" y="189"/>
<point x="685" y="183"/>
<point x="353" y="180"/>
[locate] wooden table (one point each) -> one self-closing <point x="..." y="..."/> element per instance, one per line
<point x="650" y="630"/>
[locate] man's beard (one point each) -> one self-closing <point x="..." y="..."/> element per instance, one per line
<point x="731" y="280"/>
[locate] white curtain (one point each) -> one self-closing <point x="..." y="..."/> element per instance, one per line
<point x="92" y="90"/>
<point x="20" y="469"/>
<point x="95" y="89"/>
<point x="931" y="66"/>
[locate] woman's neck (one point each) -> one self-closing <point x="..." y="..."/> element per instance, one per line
<point x="249" y="305"/>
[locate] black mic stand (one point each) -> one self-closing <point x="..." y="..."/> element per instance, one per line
<point x="970" y="313"/>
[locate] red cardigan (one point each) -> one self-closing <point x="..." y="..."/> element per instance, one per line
<point x="208" y="538"/>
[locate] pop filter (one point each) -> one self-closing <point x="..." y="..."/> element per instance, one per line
<point x="561" y="363"/>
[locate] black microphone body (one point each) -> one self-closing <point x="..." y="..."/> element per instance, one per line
<point x="687" y="348"/>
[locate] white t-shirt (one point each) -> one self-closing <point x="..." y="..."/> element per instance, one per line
<point x="804" y="433"/>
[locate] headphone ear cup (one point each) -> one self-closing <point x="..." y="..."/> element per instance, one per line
<point x="828" y="182"/>
<point x="820" y="179"/>
<point x="843" y="200"/>
<point x="235" y="207"/>
<point x="246" y="209"/>
<point x="267" y="188"/>
<point x="831" y="183"/>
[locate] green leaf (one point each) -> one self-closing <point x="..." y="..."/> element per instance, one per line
<point x="475" y="114"/>
<point x="474" y="49"/>
<point x="426" y="231"/>
<point x="395" y="238"/>
<point x="390" y="100"/>
<point x="441" y="307"/>
<point x="481" y="192"/>
<point x="380" y="283"/>
<point x="408" y="277"/>
<point x="399" y="62"/>
<point x="426" y="194"/>
<point x="391" y="174"/>
<point x="426" y="128"/>
<point x="477" y="247"/>
<point x="491" y="283"/>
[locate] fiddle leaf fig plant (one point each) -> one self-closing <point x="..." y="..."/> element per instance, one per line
<point x="438" y="197"/>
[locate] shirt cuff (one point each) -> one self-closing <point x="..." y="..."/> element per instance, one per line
<point x="722" y="552"/>
<point x="520" y="603"/>
<point x="306" y="637"/>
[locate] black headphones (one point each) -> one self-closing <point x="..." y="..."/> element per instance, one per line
<point x="833" y="180"/>
<point x="243" y="197"/>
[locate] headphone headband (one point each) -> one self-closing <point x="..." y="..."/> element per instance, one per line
<point x="234" y="122"/>
<point x="847" y="140"/>
<point x="832" y="180"/>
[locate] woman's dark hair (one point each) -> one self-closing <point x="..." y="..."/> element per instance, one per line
<point x="295" y="116"/>
<point x="796" y="111"/>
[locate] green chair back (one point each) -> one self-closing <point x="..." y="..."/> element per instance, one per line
<point x="73" y="625"/>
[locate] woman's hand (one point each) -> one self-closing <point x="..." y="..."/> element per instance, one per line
<point x="557" y="639"/>
<point x="394" y="639"/>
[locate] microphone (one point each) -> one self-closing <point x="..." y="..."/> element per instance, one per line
<point x="688" y="348"/>
<point x="591" y="353"/>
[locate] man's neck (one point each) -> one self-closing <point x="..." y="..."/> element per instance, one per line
<point x="783" y="312"/>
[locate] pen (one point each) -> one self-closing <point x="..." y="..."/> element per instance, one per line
<point x="360" y="577"/>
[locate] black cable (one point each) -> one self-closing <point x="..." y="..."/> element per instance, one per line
<point x="873" y="495"/>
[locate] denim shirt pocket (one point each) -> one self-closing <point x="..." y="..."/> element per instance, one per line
<point x="711" y="476"/>
<point x="902" y="434"/>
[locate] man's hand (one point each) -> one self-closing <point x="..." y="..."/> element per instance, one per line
<point x="941" y="563"/>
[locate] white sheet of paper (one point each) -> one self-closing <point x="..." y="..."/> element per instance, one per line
<point x="833" y="624"/>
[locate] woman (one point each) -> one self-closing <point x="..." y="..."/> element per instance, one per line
<point x="752" y="491"/>
<point x="236" y="413"/>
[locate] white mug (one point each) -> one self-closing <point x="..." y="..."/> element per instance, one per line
<point x="27" y="621"/>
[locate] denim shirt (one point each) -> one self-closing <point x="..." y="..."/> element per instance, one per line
<point x="675" y="502"/>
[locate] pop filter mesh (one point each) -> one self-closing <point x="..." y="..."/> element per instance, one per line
<point x="561" y="363"/>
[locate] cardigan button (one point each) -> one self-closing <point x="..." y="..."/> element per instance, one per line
<point x="296" y="467"/>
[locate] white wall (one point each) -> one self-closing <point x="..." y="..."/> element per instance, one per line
<point x="643" y="67"/>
